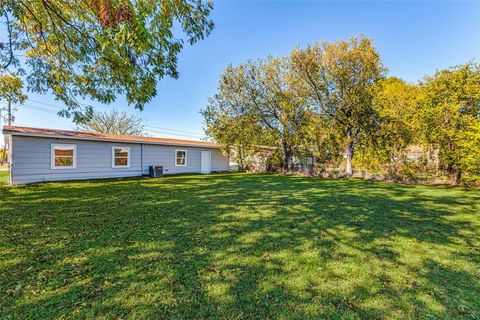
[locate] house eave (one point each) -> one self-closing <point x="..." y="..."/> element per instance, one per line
<point x="14" y="133"/>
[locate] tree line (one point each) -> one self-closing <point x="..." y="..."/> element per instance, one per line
<point x="334" y="101"/>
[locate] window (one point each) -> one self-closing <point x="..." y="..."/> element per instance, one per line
<point x="63" y="156"/>
<point x="120" y="157"/>
<point x="180" y="158"/>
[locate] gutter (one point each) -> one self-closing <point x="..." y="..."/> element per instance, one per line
<point x="111" y="140"/>
<point x="10" y="159"/>
<point x="141" y="158"/>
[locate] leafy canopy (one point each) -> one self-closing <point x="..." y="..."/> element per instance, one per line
<point x="262" y="96"/>
<point x="11" y="89"/>
<point x="99" y="49"/>
<point x="451" y="113"/>
<point x="395" y="103"/>
<point x="338" y="77"/>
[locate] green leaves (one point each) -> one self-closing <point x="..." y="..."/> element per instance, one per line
<point x="11" y="87"/>
<point x="332" y="101"/>
<point x="260" y="96"/>
<point x="451" y="113"/>
<point x="100" y="49"/>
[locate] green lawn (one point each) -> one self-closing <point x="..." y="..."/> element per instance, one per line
<point x="239" y="246"/>
<point x="3" y="178"/>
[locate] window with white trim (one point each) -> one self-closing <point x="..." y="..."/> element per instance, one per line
<point x="120" y="157"/>
<point x="180" y="158"/>
<point x="63" y="156"/>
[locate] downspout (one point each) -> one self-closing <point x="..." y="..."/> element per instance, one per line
<point x="10" y="158"/>
<point x="141" y="159"/>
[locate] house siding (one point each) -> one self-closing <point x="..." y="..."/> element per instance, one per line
<point x="32" y="160"/>
<point x="165" y="156"/>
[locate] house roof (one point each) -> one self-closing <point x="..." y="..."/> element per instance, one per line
<point x="94" y="136"/>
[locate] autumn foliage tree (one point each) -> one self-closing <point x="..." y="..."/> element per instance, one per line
<point x="450" y="116"/>
<point x="99" y="49"/>
<point x="395" y="103"/>
<point x="332" y="101"/>
<point x="238" y="133"/>
<point x="11" y="89"/>
<point x="339" y="76"/>
<point x="262" y="97"/>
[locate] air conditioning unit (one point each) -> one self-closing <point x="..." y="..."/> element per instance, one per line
<point x="155" y="171"/>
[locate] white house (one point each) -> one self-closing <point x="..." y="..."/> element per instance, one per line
<point x="50" y="155"/>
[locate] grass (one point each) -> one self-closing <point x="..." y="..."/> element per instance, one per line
<point x="239" y="246"/>
<point x="3" y="178"/>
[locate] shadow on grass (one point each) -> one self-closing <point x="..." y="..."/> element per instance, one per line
<point x="239" y="246"/>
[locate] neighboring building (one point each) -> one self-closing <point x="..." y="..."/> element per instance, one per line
<point x="50" y="155"/>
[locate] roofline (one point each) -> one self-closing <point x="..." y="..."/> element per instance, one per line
<point x="186" y="144"/>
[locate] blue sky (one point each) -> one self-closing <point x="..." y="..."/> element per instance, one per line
<point x="413" y="38"/>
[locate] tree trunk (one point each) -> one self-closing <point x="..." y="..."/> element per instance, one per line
<point x="240" y="160"/>
<point x="350" y="148"/>
<point x="450" y="163"/>
<point x="458" y="176"/>
<point x="285" y="155"/>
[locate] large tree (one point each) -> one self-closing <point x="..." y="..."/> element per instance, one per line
<point x="339" y="76"/>
<point x="99" y="49"/>
<point x="239" y="134"/>
<point x="263" y="92"/>
<point x="450" y="114"/>
<point x="469" y="146"/>
<point x="395" y="103"/>
<point x="113" y="122"/>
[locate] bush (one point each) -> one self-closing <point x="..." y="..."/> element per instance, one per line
<point x="408" y="170"/>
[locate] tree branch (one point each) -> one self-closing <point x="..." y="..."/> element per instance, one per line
<point x="52" y="9"/>
<point x="10" y="45"/>
<point x="42" y="34"/>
